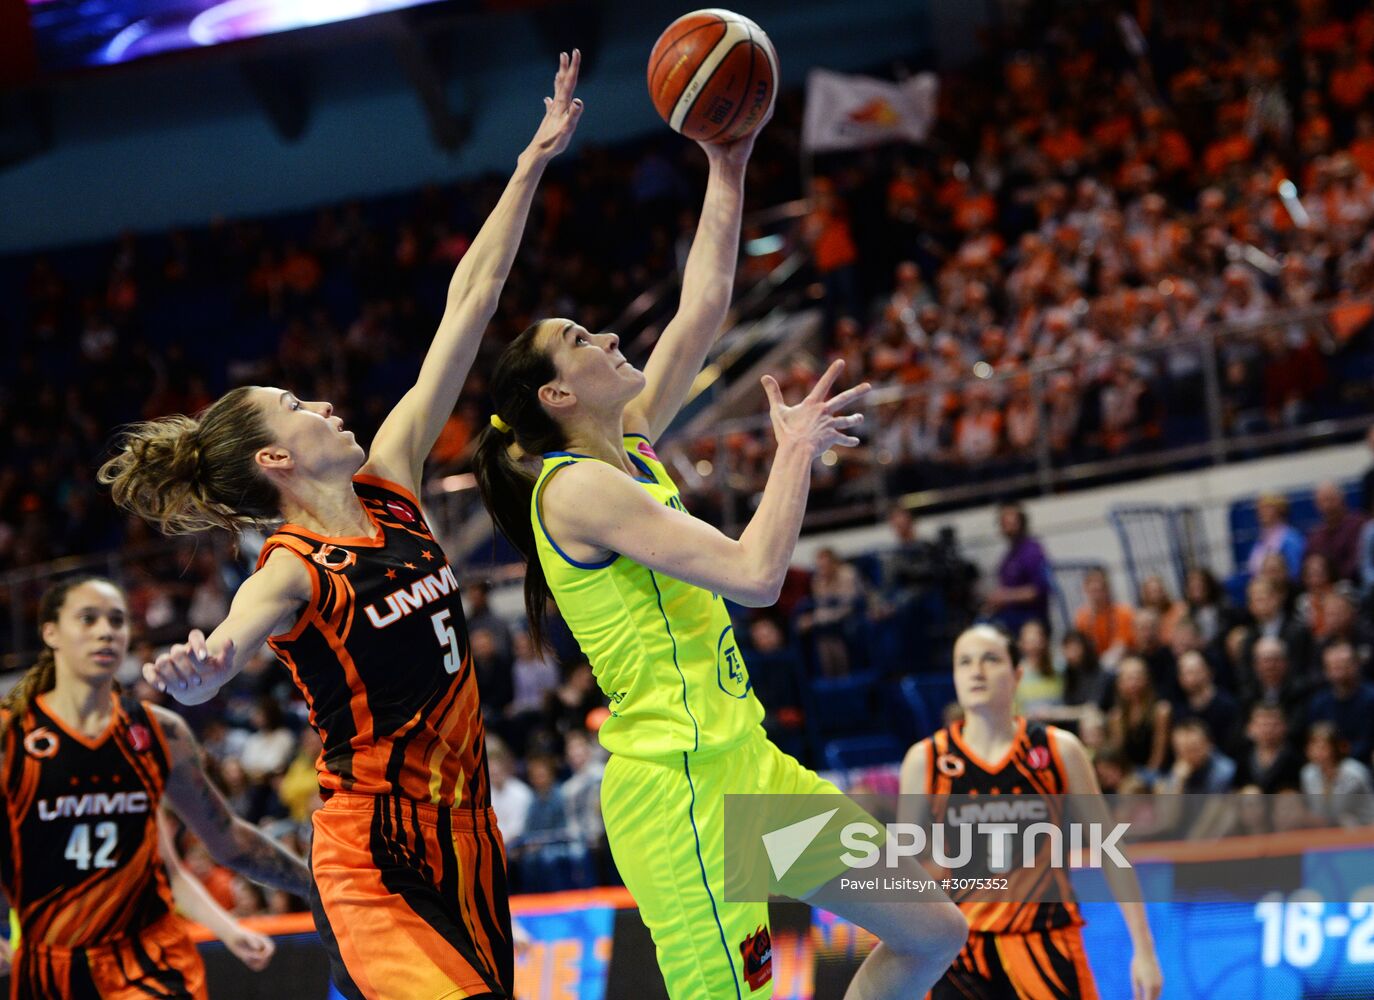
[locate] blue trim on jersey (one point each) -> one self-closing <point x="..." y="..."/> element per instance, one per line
<point x="644" y="467"/>
<point x="578" y="454"/>
<point x="539" y="513"/>
<point x="696" y="730"/>
<point x="644" y="436"/>
<point x="701" y="863"/>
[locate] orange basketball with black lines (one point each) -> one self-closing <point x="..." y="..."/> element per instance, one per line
<point x="713" y="75"/>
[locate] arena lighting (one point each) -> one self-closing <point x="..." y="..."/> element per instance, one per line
<point x="75" y="34"/>
<point x="1288" y="194"/>
<point x="458" y="483"/>
<point x="764" y="245"/>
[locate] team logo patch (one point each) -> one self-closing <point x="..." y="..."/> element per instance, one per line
<point x="950" y="765"/>
<point x="757" y="951"/>
<point x="41" y="743"/>
<point x="647" y="451"/>
<point x="139" y="738"/>
<point x="333" y="557"/>
<point x="402" y="511"/>
<point x="730" y="673"/>
<point x="1038" y="758"/>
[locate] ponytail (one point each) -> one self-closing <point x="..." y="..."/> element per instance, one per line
<point x="187" y="475"/>
<point x="519" y="430"/>
<point x="42" y="676"/>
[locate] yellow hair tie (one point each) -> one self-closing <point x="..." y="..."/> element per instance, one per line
<point x="500" y="424"/>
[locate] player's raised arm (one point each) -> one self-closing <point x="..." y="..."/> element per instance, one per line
<point x="1146" y="978"/>
<point x="232" y="841"/>
<point x="410" y="430"/>
<point x="708" y="282"/>
<point x="268" y="602"/>
<point x="595" y="505"/>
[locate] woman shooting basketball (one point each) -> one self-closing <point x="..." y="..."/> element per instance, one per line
<point x="357" y="599"/>
<point x="642" y="584"/>
<point x="83" y="772"/>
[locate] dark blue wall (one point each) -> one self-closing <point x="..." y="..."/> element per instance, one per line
<point x="177" y="144"/>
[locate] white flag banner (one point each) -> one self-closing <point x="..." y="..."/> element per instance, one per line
<point x="846" y="112"/>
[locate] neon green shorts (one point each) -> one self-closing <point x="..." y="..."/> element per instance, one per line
<point x="665" y="823"/>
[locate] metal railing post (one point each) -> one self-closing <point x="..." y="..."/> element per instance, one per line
<point x="1212" y="385"/>
<point x="876" y="469"/>
<point x="1044" y="459"/>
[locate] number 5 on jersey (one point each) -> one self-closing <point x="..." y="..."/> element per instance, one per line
<point x="446" y="635"/>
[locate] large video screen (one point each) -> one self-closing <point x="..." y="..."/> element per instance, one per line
<point x="79" y="34"/>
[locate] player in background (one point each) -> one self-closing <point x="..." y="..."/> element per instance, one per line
<point x="83" y="772"/>
<point x="641" y="583"/>
<point x="1017" y="948"/>
<point x="356" y="597"/>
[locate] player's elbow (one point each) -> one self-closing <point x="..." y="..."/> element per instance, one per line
<point x="762" y="592"/>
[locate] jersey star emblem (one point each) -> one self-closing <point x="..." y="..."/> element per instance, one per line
<point x="426" y="555"/>
<point x="391" y="574"/>
<point x="411" y="566"/>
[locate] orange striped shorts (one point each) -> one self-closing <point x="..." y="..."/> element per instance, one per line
<point x="410" y="899"/>
<point x="159" y="961"/>
<point x="1039" y="965"/>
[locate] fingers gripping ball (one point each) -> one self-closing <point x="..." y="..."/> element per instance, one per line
<point x="713" y="75"/>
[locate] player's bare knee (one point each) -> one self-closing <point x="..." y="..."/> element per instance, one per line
<point x="950" y="933"/>
<point x="933" y="931"/>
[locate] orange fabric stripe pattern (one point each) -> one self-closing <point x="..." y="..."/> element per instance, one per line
<point x="1042" y="965"/>
<point x="410" y="899"/>
<point x="83" y="865"/>
<point x="381" y="654"/>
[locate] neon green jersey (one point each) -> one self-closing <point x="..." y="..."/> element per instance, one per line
<point x="663" y="651"/>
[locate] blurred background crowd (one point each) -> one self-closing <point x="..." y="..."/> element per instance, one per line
<point x="1084" y="206"/>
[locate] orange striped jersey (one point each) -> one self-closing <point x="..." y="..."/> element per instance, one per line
<point x="381" y="654"/>
<point x="1039" y="898"/>
<point x="83" y="865"/>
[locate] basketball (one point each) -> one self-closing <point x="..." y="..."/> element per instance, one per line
<point x="713" y="75"/>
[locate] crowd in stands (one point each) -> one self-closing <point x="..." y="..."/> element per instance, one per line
<point x="1077" y="197"/>
<point x="1074" y="198"/>
<point x="1171" y="692"/>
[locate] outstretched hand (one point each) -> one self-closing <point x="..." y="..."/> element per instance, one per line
<point x="815" y="422"/>
<point x="188" y="672"/>
<point x="561" y="111"/>
<point x="251" y="948"/>
<point x="735" y="154"/>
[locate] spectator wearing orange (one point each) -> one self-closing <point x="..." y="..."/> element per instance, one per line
<point x="978" y="431"/>
<point x="300" y="270"/>
<point x="1155" y="596"/>
<point x="1062" y="144"/>
<point x="1362" y="147"/>
<point x="1231" y="148"/>
<point x="1022" y="421"/>
<point x="1109" y="625"/>
<point x="834" y="253"/>
<point x="1351" y="81"/>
